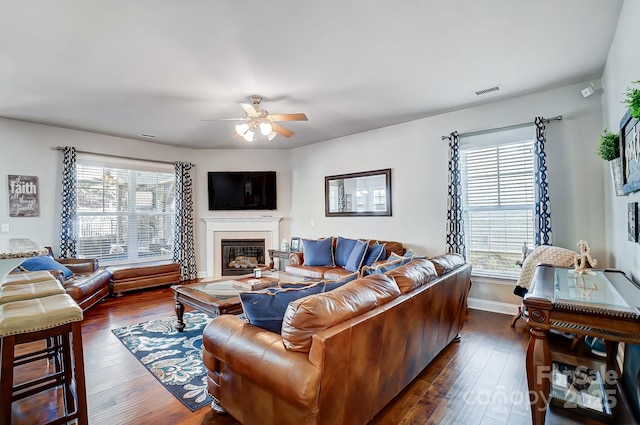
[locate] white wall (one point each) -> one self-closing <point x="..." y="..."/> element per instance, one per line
<point x="418" y="159"/>
<point x="29" y="149"/>
<point x="623" y="67"/>
<point x="414" y="151"/>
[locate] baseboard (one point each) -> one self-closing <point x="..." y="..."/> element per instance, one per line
<point x="492" y="306"/>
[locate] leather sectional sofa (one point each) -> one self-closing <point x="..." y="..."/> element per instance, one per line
<point x="296" y="263"/>
<point x="342" y="355"/>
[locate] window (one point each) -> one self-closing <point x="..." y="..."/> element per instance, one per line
<point x="379" y="199"/>
<point x="126" y="209"/>
<point x="498" y="198"/>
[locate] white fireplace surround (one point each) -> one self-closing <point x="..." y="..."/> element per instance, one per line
<point x="218" y="228"/>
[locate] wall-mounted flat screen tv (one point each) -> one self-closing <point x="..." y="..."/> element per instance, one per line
<point x="242" y="190"/>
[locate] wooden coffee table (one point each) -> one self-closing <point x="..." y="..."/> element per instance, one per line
<point x="221" y="296"/>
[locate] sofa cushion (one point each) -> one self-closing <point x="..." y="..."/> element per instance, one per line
<point x="446" y="262"/>
<point x="45" y="262"/>
<point x="413" y="274"/>
<point x="307" y="316"/>
<point x="266" y="308"/>
<point x="380" y="268"/>
<point x="318" y="252"/>
<point x="343" y="249"/>
<point x="330" y="285"/>
<point x="356" y="258"/>
<point x="374" y="252"/>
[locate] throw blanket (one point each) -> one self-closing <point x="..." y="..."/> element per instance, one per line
<point x="544" y="254"/>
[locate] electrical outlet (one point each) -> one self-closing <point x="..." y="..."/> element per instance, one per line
<point x="313" y="222"/>
<point x="5" y="227"/>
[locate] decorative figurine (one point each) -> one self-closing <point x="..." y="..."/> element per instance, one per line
<point x="584" y="261"/>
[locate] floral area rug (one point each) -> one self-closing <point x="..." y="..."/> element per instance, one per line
<point x="174" y="358"/>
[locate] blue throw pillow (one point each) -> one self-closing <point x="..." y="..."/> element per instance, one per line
<point x="330" y="286"/>
<point x="318" y="252"/>
<point x="381" y="268"/>
<point x="375" y="251"/>
<point x="266" y="308"/>
<point x="45" y="262"/>
<point x="395" y="257"/>
<point x="356" y="258"/>
<point x="344" y="247"/>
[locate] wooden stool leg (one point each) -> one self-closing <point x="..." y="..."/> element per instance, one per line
<point x="70" y="404"/>
<point x="78" y="359"/>
<point x="6" y="378"/>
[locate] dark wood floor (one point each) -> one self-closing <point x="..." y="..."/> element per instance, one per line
<point x="480" y="380"/>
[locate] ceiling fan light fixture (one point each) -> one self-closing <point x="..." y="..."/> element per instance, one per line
<point x="266" y="128"/>
<point x="241" y="129"/>
<point x="248" y="136"/>
<point x="272" y="135"/>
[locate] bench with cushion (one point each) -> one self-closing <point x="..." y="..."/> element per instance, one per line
<point x="135" y="276"/>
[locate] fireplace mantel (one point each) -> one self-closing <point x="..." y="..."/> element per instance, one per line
<point x="240" y="227"/>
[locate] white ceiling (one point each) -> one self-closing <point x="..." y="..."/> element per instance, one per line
<point x="123" y="67"/>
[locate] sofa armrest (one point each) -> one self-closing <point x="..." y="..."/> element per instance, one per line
<point x="79" y="265"/>
<point x="296" y="258"/>
<point x="261" y="356"/>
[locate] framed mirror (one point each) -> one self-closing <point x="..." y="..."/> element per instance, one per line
<point x="358" y="194"/>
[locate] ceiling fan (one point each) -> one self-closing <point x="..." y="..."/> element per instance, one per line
<point x="259" y="121"/>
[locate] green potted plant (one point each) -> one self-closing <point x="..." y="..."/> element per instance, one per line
<point x="632" y="100"/>
<point x="609" y="150"/>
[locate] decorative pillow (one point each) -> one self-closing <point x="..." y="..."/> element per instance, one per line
<point x="318" y="252"/>
<point x="380" y="268"/>
<point x="395" y="257"/>
<point x="266" y="308"/>
<point x="414" y="256"/>
<point x="299" y="284"/>
<point x="45" y="262"/>
<point x="331" y="285"/>
<point x="374" y="252"/>
<point x="356" y="258"/>
<point x="344" y="247"/>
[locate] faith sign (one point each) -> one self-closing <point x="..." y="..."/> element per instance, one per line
<point x="23" y="196"/>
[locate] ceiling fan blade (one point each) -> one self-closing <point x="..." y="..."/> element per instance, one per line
<point x="288" y="117"/>
<point x="281" y="130"/>
<point x="250" y="110"/>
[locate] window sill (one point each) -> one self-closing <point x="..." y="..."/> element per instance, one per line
<point x="494" y="279"/>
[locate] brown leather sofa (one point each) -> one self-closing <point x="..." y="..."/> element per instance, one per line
<point x="343" y="354"/>
<point x="88" y="285"/>
<point x="296" y="263"/>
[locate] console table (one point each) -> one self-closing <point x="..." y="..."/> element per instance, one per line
<point x="597" y="303"/>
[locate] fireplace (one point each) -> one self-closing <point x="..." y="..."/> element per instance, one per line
<point x="241" y="256"/>
<point x="264" y="228"/>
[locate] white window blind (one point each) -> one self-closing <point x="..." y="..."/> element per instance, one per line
<point x="126" y="209"/>
<point x="498" y="198"/>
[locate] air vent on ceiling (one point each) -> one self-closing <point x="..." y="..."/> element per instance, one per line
<point x="148" y="136"/>
<point x="487" y="90"/>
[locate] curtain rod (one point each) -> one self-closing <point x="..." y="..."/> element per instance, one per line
<point x="475" y="133"/>
<point x="58" y="148"/>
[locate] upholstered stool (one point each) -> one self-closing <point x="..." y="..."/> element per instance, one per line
<point x="26" y="291"/>
<point x="55" y="316"/>
<point x="26" y="277"/>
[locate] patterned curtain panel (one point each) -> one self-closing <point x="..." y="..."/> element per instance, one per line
<point x="184" y="245"/>
<point x="69" y="216"/>
<point x="542" y="213"/>
<point x="455" y="225"/>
